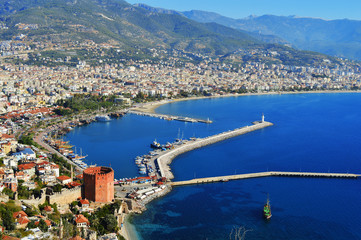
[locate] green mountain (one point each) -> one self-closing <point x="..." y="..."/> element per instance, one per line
<point x="333" y="37"/>
<point x="135" y="27"/>
<point x="104" y="20"/>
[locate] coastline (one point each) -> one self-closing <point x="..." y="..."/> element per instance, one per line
<point x="152" y="106"/>
<point x="129" y="229"/>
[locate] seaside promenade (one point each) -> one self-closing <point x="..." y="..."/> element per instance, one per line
<point x="164" y="160"/>
<point x="264" y="174"/>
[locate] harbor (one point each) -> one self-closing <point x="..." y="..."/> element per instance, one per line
<point x="145" y="190"/>
<point x="162" y="162"/>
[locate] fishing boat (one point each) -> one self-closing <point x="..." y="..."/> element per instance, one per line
<point x="267" y="210"/>
<point x="155" y="144"/>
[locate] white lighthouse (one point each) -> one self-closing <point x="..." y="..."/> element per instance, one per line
<point x="262" y="117"/>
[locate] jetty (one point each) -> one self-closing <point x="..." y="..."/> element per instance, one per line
<point x="170" y="117"/>
<point x="164" y="160"/>
<point x="264" y="174"/>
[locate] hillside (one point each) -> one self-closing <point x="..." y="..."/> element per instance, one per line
<point x="337" y="37"/>
<point x="134" y="27"/>
<point x="104" y="20"/>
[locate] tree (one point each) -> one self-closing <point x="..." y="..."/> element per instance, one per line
<point x="31" y="212"/>
<point x="110" y="223"/>
<point x="57" y="188"/>
<point x="37" y="192"/>
<point x="43" y="226"/>
<point x="22" y="190"/>
<point x="7" y="218"/>
<point x="31" y="225"/>
<point x="8" y="192"/>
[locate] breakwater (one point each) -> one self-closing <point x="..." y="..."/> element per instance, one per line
<point x="170" y="117"/>
<point x="264" y="174"/>
<point x="164" y="160"/>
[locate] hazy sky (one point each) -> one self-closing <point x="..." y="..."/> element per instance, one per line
<point x="328" y="9"/>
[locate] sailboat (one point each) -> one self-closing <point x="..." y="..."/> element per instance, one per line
<point x="80" y="157"/>
<point x="267" y="209"/>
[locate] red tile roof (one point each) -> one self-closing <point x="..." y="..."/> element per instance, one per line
<point x="26" y="166"/>
<point x="23" y="220"/>
<point x="48" y="208"/>
<point x="19" y="214"/>
<point x="76" y="238"/>
<point x="80" y="176"/>
<point x="84" y="201"/>
<point x="9" y="238"/>
<point x="48" y="223"/>
<point x="81" y="219"/>
<point x="73" y="184"/>
<point x="63" y="178"/>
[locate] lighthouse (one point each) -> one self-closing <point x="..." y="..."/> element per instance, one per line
<point x="262" y="117"/>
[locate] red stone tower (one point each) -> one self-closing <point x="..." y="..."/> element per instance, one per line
<point x="99" y="184"/>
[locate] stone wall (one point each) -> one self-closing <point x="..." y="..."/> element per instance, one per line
<point x="66" y="196"/>
<point x="4" y="197"/>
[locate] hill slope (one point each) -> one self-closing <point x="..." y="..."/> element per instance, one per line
<point x="102" y="20"/>
<point x="136" y="27"/>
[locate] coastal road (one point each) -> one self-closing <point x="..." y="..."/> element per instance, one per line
<point x="39" y="140"/>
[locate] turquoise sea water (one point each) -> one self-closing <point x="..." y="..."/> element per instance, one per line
<point x="312" y="132"/>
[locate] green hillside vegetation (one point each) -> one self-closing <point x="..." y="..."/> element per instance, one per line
<point x="129" y="27"/>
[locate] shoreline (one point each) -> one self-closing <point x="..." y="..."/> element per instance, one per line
<point x="129" y="229"/>
<point x="150" y="107"/>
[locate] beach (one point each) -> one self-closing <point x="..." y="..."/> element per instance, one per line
<point x="152" y="106"/>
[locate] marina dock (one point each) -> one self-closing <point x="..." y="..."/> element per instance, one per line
<point x="170" y="117"/>
<point x="164" y="160"/>
<point x="264" y="174"/>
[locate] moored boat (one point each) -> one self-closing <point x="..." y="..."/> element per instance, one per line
<point x="155" y="144"/>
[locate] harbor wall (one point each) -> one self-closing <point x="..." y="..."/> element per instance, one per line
<point x="265" y="174"/>
<point x="164" y="160"/>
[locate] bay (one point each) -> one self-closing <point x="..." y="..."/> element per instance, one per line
<point x="312" y="132"/>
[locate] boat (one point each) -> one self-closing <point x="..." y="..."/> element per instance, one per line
<point x="102" y="118"/>
<point x="167" y="146"/>
<point x="155" y="144"/>
<point x="267" y="210"/>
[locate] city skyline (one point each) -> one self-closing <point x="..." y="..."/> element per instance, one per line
<point x="329" y="10"/>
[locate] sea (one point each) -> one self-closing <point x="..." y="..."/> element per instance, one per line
<point x="318" y="132"/>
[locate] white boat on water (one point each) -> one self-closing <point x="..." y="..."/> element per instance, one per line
<point x="102" y="118"/>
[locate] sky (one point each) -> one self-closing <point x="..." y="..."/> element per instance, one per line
<point x="326" y="9"/>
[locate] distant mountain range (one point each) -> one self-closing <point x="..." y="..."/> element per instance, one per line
<point x="340" y="38"/>
<point x="139" y="26"/>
